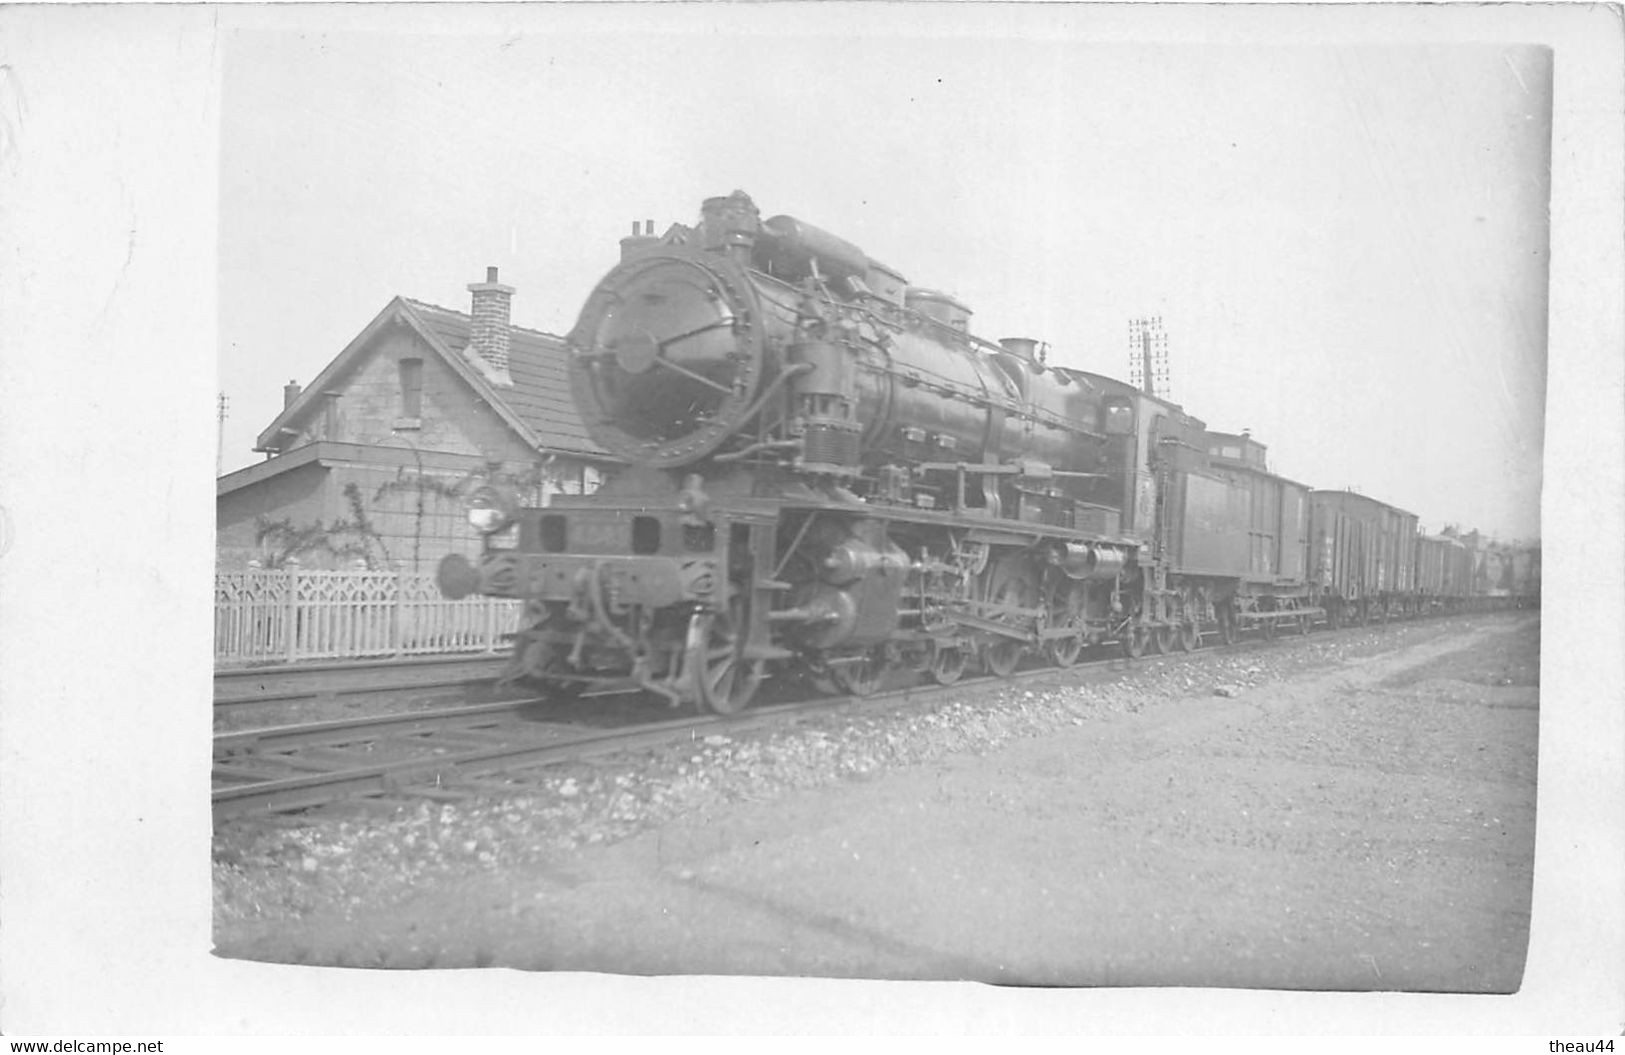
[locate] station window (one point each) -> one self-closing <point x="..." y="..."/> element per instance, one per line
<point x="411" y="388"/>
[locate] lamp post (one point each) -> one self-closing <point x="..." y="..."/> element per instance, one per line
<point x="417" y="525"/>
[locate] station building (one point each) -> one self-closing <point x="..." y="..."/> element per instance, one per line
<point x="366" y="465"/>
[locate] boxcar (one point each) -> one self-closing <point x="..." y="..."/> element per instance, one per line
<point x="1240" y="521"/>
<point x="1526" y="576"/>
<point x="1444" y="572"/>
<point x="1239" y="534"/>
<point x="1362" y="554"/>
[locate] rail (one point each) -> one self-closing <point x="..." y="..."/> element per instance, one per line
<point x="251" y="685"/>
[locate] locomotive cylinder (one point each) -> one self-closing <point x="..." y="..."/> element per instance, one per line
<point x="855" y="599"/>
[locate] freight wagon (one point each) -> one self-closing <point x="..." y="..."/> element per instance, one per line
<point x="1236" y="519"/>
<point x="1363" y="555"/>
<point x="1444" y="573"/>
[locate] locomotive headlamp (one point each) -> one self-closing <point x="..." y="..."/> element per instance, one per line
<point x="489" y="509"/>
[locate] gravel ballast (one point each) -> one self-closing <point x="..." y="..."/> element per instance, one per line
<point x="312" y="888"/>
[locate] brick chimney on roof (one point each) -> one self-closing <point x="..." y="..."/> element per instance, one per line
<point x="489" y="335"/>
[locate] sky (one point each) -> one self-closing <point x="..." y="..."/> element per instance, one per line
<point x="1346" y="242"/>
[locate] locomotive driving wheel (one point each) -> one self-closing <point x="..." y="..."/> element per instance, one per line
<point x="1162" y="640"/>
<point x="725" y="681"/>
<point x="1190" y="636"/>
<point x="1066" y="609"/>
<point x="1011" y="585"/>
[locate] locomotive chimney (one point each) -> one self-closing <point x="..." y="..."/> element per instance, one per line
<point x="641" y="238"/>
<point x="489" y="336"/>
<point x="290" y="394"/>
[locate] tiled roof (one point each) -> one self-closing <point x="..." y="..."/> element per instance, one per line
<point x="540" y="396"/>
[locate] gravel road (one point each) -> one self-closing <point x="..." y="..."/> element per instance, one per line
<point x="1352" y="811"/>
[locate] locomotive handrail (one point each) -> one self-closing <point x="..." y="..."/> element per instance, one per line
<point x="761" y="400"/>
<point x="757" y="448"/>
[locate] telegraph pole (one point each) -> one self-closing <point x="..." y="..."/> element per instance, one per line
<point x="221" y="403"/>
<point x="1148" y="357"/>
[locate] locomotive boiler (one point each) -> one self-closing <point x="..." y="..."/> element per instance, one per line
<point x="779" y="340"/>
<point x="825" y="471"/>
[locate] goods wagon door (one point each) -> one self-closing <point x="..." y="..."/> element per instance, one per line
<point x="1343" y="551"/>
<point x="1294" y="532"/>
<point x="1265" y="531"/>
<point x="1320" y="542"/>
<point x="1212" y="528"/>
<point x="1383" y="535"/>
<point x="1408" y="535"/>
<point x="1430" y="566"/>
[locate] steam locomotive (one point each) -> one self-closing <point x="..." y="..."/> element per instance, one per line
<point x="827" y="472"/>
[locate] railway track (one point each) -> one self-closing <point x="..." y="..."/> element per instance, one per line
<point x="419" y="753"/>
<point x="235" y="688"/>
<point x="296" y="767"/>
<point x="457" y="751"/>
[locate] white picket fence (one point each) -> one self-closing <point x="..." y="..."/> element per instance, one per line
<point x="289" y="616"/>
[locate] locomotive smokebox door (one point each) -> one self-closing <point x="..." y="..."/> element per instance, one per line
<point x="667" y="357"/>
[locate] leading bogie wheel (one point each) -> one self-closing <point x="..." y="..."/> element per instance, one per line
<point x="1162" y="640"/>
<point x="1002" y="656"/>
<point x="1190" y="637"/>
<point x="947" y="664"/>
<point x="823" y="682"/>
<point x="1134" y="641"/>
<point x="533" y="661"/>
<point x="1064" y="651"/>
<point x="861" y="676"/>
